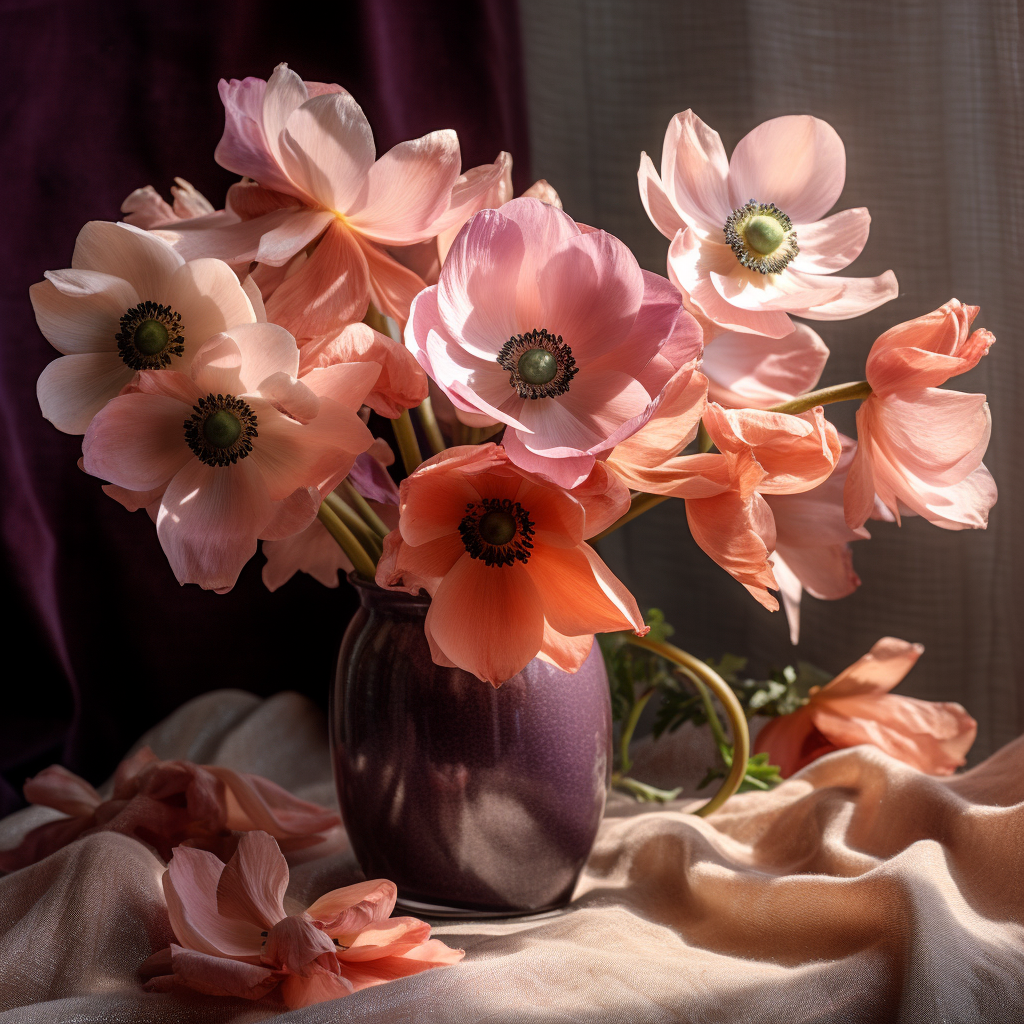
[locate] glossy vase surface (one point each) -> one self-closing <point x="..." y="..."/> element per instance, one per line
<point x="475" y="801"/>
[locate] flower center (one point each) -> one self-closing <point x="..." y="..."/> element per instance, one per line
<point x="220" y="430"/>
<point x="539" y="364"/>
<point x="762" y="237"/>
<point x="150" y="336"/>
<point x="498" y="530"/>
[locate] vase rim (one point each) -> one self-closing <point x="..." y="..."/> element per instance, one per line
<point x="372" y="595"/>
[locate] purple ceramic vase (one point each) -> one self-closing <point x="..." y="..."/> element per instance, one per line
<point x="475" y="801"/>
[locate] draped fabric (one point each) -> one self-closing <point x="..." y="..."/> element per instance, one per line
<point x="859" y="891"/>
<point x="102" y="97"/>
<point x="928" y="97"/>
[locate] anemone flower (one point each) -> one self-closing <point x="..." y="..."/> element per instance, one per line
<point x="234" y="937"/>
<point x="502" y="555"/>
<point x="759" y="453"/>
<point x="857" y="707"/>
<point x="235" y="450"/>
<point x="750" y="240"/>
<point x="920" y="446"/>
<point x="318" y="188"/>
<point x="553" y="331"/>
<point x="128" y="303"/>
<point x="166" y="803"/>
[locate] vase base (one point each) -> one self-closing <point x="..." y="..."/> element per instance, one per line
<point x="439" y="910"/>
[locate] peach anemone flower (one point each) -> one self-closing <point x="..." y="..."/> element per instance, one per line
<point x="759" y="453"/>
<point x="235" y="938"/>
<point x="235" y="450"/>
<point x="128" y="303"/>
<point x="502" y="555"/>
<point x="750" y="240"/>
<point x="164" y="804"/>
<point x="146" y="208"/>
<point x="553" y="331"/>
<point x="857" y="707"/>
<point x="920" y="446"/>
<point x="318" y="188"/>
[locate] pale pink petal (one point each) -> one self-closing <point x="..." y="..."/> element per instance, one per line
<point x="665" y="329"/>
<point x="190" y="886"/>
<point x="747" y="370"/>
<point x="263" y="351"/>
<point x="833" y="243"/>
<point x="408" y="189"/>
<point x="137" y="441"/>
<point x="313" y="551"/>
<point x="694" y="171"/>
<point x="319" y="987"/>
<point x="209" y="520"/>
<point x="590" y="292"/>
<point x="73" y="389"/>
<point x="542" y="190"/>
<point x="292" y="514"/>
<point x="485" y="187"/>
<point x="137" y="256"/>
<point x="791" y="592"/>
<point x="252" y="885"/>
<point x="691" y="263"/>
<point x="63" y="790"/>
<point x="797" y="162"/>
<point x="327" y="149"/>
<point x="604" y="498"/>
<point x="566" y="467"/>
<point x="565" y="652"/>
<point x="392" y="937"/>
<point x="346" y="912"/>
<point x="488" y="621"/>
<point x="858" y="295"/>
<point x="747" y="289"/>
<point x="659" y="206"/>
<point x="147" y="209"/>
<point x="329" y="290"/>
<point x="210" y="299"/>
<point x="80" y="310"/>
<point x="295" y="943"/>
<point x="216" y="976"/>
<point x="255" y="803"/>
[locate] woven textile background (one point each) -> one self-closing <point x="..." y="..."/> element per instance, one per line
<point x="927" y="96"/>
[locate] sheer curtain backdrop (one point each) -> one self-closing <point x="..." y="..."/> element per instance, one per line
<point x="927" y="97"/>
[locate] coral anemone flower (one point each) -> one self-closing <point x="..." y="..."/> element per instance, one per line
<point x="319" y="187"/>
<point x="750" y="240"/>
<point x="857" y="707"/>
<point x="553" y="331"/>
<point x="501" y="554"/>
<point x="234" y="937"/>
<point x="236" y="450"/>
<point x="128" y="303"/>
<point x="920" y="446"/>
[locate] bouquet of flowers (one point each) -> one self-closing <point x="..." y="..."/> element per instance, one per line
<point x="232" y="371"/>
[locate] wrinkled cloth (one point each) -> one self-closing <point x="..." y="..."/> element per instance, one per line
<point x="859" y="890"/>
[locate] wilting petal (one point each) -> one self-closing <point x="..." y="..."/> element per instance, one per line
<point x="313" y="551"/>
<point x="797" y="162"/>
<point x="346" y="912"/>
<point x="792" y="742"/>
<point x="215" y="975"/>
<point x="252" y="884"/>
<point x="63" y="790"/>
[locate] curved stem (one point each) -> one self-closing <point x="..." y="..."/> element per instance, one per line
<point x="368" y="540"/>
<point x="641" y="503"/>
<point x="629" y="727"/>
<point x="857" y="389"/>
<point x="361" y="561"/>
<point x="362" y="506"/>
<point x="694" y="667"/>
<point x="405" y="438"/>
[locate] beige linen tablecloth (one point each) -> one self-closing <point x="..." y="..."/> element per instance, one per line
<point x="860" y="890"/>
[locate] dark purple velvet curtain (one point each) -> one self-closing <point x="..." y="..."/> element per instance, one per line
<point x="101" y="97"/>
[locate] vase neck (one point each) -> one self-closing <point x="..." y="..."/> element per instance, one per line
<point x="388" y="602"/>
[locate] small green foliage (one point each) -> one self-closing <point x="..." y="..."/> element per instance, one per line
<point x="636" y="675"/>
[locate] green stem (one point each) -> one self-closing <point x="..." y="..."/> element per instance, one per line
<point x="641" y="503"/>
<point x="733" y="709"/>
<point x="362" y="506"/>
<point x="361" y="561"/>
<point x="704" y="442"/>
<point x="642" y="791"/>
<point x="405" y="438"/>
<point x="368" y="540"/>
<point x="428" y="421"/>
<point x="857" y="389"/>
<point x="629" y="727"/>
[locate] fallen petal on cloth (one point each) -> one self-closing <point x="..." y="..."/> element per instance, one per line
<point x="860" y="891"/>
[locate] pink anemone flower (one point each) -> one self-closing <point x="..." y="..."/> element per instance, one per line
<point x="920" y="446"/>
<point x="235" y="938"/>
<point x="857" y="707"/>
<point x="502" y="555"/>
<point x="235" y="450"/>
<point x="317" y="188"/>
<point x="165" y="804"/>
<point x="759" y="453"/>
<point x="812" y="549"/>
<point x="128" y="303"/>
<point x="750" y="240"/>
<point x="553" y="331"/>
